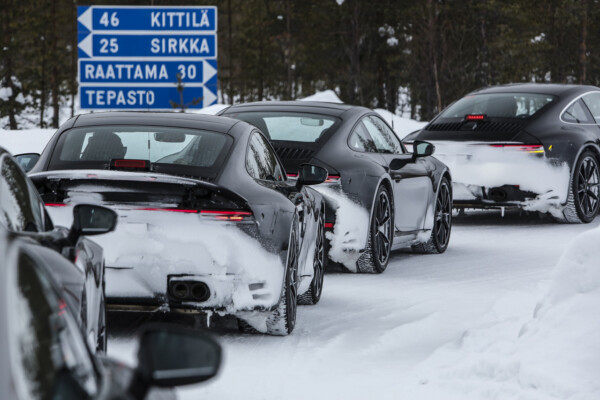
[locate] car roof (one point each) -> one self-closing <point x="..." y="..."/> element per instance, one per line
<point x="541" y="88"/>
<point x="184" y="120"/>
<point x="318" y="107"/>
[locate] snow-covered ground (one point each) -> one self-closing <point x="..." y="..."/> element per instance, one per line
<point x="492" y="318"/>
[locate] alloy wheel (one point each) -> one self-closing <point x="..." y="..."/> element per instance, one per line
<point x="383" y="228"/>
<point x="588" y="186"/>
<point x="443" y="216"/>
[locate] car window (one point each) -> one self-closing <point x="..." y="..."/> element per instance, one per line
<point x="502" y="105"/>
<point x="577" y="114"/>
<point x="383" y="143"/>
<point x="177" y="151"/>
<point x="387" y="134"/>
<point x="361" y="140"/>
<point x="261" y="161"/>
<point x="592" y="101"/>
<point x="50" y="357"/>
<point x="21" y="209"/>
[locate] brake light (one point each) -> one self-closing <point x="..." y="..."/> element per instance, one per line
<point x="179" y="210"/>
<point x="130" y="164"/>
<point x="475" y="117"/>
<point x="226" y="215"/>
<point x="55" y="205"/>
<point x="289" y="175"/>
<point x="328" y="225"/>
<point x="528" y="148"/>
<point x="332" y="178"/>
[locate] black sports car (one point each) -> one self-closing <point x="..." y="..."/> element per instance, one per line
<point x="379" y="196"/>
<point x="534" y="146"/>
<point x="45" y="355"/>
<point x="208" y="220"/>
<point x="77" y="262"/>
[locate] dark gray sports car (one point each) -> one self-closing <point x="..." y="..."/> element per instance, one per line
<point x="208" y="219"/>
<point x="380" y="197"/>
<point x="533" y="146"/>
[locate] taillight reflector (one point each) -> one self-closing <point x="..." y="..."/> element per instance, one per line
<point x="528" y="148"/>
<point x="226" y="215"/>
<point x="179" y="210"/>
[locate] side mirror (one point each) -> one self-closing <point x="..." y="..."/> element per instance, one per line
<point x="309" y="174"/>
<point x="91" y="220"/>
<point x="422" y="149"/>
<point x="27" y="161"/>
<point x="172" y="356"/>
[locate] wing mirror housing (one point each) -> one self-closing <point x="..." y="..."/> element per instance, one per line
<point x="27" y="160"/>
<point x="422" y="149"/>
<point x="172" y="356"/>
<point x="91" y="220"/>
<point x="309" y="174"/>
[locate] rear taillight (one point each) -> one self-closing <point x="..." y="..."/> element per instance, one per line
<point x="135" y="165"/>
<point x="179" y="210"/>
<point x="328" y="225"/>
<point x="475" y="117"/>
<point x="55" y="204"/>
<point x="528" y="148"/>
<point x="330" y="178"/>
<point x="226" y="215"/>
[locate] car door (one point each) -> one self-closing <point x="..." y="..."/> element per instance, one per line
<point x="411" y="183"/>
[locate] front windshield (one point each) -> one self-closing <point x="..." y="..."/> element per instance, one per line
<point x="171" y="150"/>
<point x="501" y="105"/>
<point x="289" y="126"/>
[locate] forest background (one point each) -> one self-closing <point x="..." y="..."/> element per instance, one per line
<point x="412" y="58"/>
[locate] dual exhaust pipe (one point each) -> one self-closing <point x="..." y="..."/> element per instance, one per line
<point x="189" y="290"/>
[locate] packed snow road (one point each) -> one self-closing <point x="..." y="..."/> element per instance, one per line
<point x="374" y="336"/>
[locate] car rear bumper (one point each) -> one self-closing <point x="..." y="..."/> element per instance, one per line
<point x="138" y="289"/>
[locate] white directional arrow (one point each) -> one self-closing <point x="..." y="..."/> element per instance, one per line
<point x="86" y="45"/>
<point x="209" y="98"/>
<point x="86" y="19"/>
<point x="208" y="72"/>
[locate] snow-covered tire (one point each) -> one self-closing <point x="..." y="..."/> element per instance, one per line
<point x="313" y="295"/>
<point x="575" y="212"/>
<point x="374" y="259"/>
<point x="282" y="320"/>
<point x="102" y="340"/>
<point x="245" y="327"/>
<point x="442" y="224"/>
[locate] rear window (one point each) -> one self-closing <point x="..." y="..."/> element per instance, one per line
<point x="500" y="105"/>
<point x="177" y="151"/>
<point x="291" y="127"/>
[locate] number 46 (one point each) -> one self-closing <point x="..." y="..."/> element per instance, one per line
<point x="114" y="21"/>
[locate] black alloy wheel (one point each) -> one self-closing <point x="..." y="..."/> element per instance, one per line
<point x="443" y="217"/>
<point x="586" y="188"/>
<point x="313" y="295"/>
<point x="442" y="224"/>
<point x="382" y="227"/>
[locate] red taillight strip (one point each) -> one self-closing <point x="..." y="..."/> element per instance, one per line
<point x="475" y="117"/>
<point x="328" y="225"/>
<point x="55" y="205"/>
<point x="292" y="175"/>
<point x="226" y="212"/>
<point x="130" y="163"/>
<point x="180" y="210"/>
<point x="530" y="148"/>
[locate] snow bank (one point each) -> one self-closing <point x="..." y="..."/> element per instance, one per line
<point x="326" y="95"/>
<point x="351" y="228"/>
<point x="25" y="141"/>
<point x="553" y="352"/>
<point x="401" y="126"/>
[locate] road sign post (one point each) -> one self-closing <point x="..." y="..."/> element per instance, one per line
<point x="130" y="56"/>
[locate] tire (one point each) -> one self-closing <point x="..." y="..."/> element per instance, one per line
<point x="282" y="320"/>
<point x="583" y="201"/>
<point x="376" y="256"/>
<point x="313" y="295"/>
<point x="102" y="342"/>
<point x="442" y="225"/>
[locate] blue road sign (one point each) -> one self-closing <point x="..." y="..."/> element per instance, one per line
<point x="145" y="97"/>
<point x="130" y="57"/>
<point x="147" y="45"/>
<point x="93" y="71"/>
<point x="132" y="18"/>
